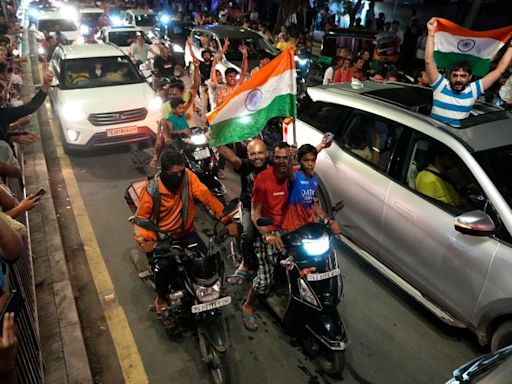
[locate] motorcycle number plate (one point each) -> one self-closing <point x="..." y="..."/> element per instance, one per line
<point x="324" y="275"/>
<point x="211" y="305"/>
<point x="202" y="154"/>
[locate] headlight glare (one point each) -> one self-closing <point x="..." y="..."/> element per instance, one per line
<point x="198" y="139"/>
<point x="155" y="104"/>
<point x="72" y="112"/>
<point x="316" y="247"/>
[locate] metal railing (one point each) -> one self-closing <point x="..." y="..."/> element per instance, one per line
<point x="20" y="276"/>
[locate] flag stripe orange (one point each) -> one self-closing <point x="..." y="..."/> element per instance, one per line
<point x="502" y="34"/>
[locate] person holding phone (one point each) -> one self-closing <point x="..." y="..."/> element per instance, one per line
<point x="14" y="208"/>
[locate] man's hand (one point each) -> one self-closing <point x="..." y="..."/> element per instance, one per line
<point x="148" y="246"/>
<point x="29" y="203"/>
<point x="274" y="241"/>
<point x="196" y="63"/>
<point x="226" y="43"/>
<point x="189" y="42"/>
<point x="232" y="229"/>
<point x="47" y="80"/>
<point x="187" y="131"/>
<point x="243" y="48"/>
<point x="432" y="26"/>
<point x="25" y="120"/>
<point x="335" y="227"/>
<point x="8" y="344"/>
<point x="31" y="138"/>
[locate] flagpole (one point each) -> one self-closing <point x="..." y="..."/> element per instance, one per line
<point x="294" y="128"/>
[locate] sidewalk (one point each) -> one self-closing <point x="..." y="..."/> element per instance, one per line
<point x="61" y="336"/>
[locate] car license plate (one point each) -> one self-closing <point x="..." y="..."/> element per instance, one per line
<point x="323" y="276"/>
<point x="202" y="154"/>
<point x="121" y="131"/>
<point x="211" y="305"/>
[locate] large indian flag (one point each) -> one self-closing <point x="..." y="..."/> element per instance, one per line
<point x="454" y="43"/>
<point x="270" y="92"/>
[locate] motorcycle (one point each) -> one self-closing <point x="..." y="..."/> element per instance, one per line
<point x="203" y="161"/>
<point x="196" y="294"/>
<point x="307" y="289"/>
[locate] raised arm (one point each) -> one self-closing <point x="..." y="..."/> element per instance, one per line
<point x="189" y="46"/>
<point x="230" y="156"/>
<point x="430" y="64"/>
<point x="495" y="75"/>
<point x="245" y="63"/>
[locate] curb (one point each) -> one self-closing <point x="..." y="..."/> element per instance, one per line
<point x="61" y="336"/>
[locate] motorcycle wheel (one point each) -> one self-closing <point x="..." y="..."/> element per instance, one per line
<point x="329" y="361"/>
<point x="218" y="363"/>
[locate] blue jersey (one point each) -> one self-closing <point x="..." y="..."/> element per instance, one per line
<point x="302" y="194"/>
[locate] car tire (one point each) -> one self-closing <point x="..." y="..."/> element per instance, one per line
<point x="502" y="337"/>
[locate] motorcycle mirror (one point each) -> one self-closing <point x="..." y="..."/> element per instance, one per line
<point x="231" y="206"/>
<point x="264" y="221"/>
<point x="338" y="206"/>
<point x="146" y="224"/>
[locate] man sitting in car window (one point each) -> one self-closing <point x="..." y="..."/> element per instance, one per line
<point x="433" y="181"/>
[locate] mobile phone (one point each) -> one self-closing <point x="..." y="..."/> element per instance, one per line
<point x="328" y="137"/>
<point x="40" y="193"/>
<point x="18" y="133"/>
<point x="14" y="304"/>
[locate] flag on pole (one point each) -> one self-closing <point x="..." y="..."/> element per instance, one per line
<point x="270" y="92"/>
<point x="454" y="43"/>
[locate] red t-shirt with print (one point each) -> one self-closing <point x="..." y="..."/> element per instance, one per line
<point x="272" y="193"/>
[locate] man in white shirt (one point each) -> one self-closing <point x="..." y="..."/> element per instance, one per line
<point x="329" y="72"/>
<point x="139" y="49"/>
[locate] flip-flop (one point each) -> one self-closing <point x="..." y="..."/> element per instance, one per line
<point x="249" y="319"/>
<point x="238" y="277"/>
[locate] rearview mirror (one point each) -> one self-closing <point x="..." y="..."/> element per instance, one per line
<point x="475" y="223"/>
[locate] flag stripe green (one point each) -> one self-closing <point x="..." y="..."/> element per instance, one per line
<point x="247" y="126"/>
<point x="447" y="60"/>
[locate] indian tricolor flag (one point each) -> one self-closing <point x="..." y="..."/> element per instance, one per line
<point x="269" y="92"/>
<point x="454" y="43"/>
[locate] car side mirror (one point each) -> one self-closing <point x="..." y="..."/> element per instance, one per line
<point x="55" y="82"/>
<point x="475" y="223"/>
<point x="338" y="206"/>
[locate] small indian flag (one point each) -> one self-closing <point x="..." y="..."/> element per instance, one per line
<point x="454" y="43"/>
<point x="270" y="92"/>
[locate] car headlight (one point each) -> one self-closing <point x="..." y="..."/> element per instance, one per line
<point x="199" y="139"/>
<point x="316" y="247"/>
<point x="165" y="19"/>
<point x="303" y="61"/>
<point x="155" y="104"/>
<point x="177" y="49"/>
<point x="205" y="294"/>
<point x="84" y="29"/>
<point x="116" y="21"/>
<point x="72" y="111"/>
<point x="33" y="12"/>
<point x="72" y="135"/>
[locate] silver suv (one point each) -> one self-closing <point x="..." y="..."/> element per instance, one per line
<point x="426" y="204"/>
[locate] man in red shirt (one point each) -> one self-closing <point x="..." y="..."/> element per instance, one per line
<point x="269" y="199"/>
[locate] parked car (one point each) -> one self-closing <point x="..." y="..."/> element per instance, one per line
<point x="89" y="18"/>
<point x="123" y="36"/>
<point x="493" y="368"/>
<point x="144" y="19"/>
<point x="453" y="256"/>
<point x="88" y="81"/>
<point x="237" y="36"/>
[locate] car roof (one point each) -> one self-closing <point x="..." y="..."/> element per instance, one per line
<point x="91" y="10"/>
<point x="227" y="31"/>
<point x="52" y="15"/>
<point x="490" y="128"/>
<point x="82" y="51"/>
<point x="123" y="28"/>
<point x="142" y="11"/>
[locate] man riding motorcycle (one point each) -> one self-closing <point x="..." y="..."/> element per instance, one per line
<point x="167" y="199"/>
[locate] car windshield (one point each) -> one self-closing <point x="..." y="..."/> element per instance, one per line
<point x="254" y="46"/>
<point x="125" y="38"/>
<point x="98" y="72"/>
<point x="145" y="20"/>
<point x="90" y="19"/>
<point x="497" y="163"/>
<point x="51" y="25"/>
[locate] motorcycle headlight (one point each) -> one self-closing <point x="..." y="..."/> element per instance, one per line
<point x="177" y="48"/>
<point x="155" y="104"/>
<point x="303" y="61"/>
<point x="316" y="247"/>
<point x="296" y="58"/>
<point x="205" y="294"/>
<point x="72" y="112"/>
<point x="307" y="294"/>
<point x="41" y="51"/>
<point x="198" y="139"/>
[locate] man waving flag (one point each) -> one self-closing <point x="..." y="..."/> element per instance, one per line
<point x="270" y="92"/>
<point x="454" y="43"/>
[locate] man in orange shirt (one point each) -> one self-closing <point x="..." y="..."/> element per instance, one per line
<point x="173" y="190"/>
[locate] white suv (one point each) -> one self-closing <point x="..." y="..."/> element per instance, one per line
<point x="101" y="98"/>
<point x="123" y="36"/>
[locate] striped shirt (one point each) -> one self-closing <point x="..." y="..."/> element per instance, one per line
<point x="450" y="107"/>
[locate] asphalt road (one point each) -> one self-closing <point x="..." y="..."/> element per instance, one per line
<point x="392" y="339"/>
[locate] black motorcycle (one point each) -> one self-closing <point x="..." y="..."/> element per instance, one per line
<point x="203" y="161"/>
<point x="196" y="294"/>
<point x="307" y="290"/>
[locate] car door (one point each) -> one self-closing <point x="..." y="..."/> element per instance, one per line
<point x="418" y="238"/>
<point x="55" y="65"/>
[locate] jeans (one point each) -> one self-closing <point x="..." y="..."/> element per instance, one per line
<point x="164" y="269"/>
<point x="249" y="235"/>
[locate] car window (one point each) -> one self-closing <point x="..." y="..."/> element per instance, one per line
<point x="196" y="38"/>
<point x="51" y="25"/>
<point x="125" y="38"/>
<point x="326" y="117"/>
<point x="254" y="45"/>
<point x="99" y="72"/>
<point x="147" y="20"/>
<point x="439" y="174"/>
<point x="90" y="19"/>
<point x="371" y="138"/>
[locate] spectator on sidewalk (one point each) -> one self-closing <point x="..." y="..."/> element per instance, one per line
<point x="330" y="71"/>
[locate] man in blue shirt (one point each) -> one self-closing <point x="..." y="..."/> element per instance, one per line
<point x="454" y="97"/>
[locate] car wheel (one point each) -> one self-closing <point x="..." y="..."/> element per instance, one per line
<point x="502" y="337"/>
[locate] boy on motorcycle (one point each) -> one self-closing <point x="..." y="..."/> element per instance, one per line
<point x="168" y="200"/>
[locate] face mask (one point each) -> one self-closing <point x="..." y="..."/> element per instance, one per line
<point x="172" y="182"/>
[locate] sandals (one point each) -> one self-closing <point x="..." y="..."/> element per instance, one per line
<point x="238" y="277"/>
<point x="249" y="322"/>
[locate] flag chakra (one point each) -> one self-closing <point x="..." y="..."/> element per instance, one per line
<point x="454" y="43"/>
<point x="270" y="92"/>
